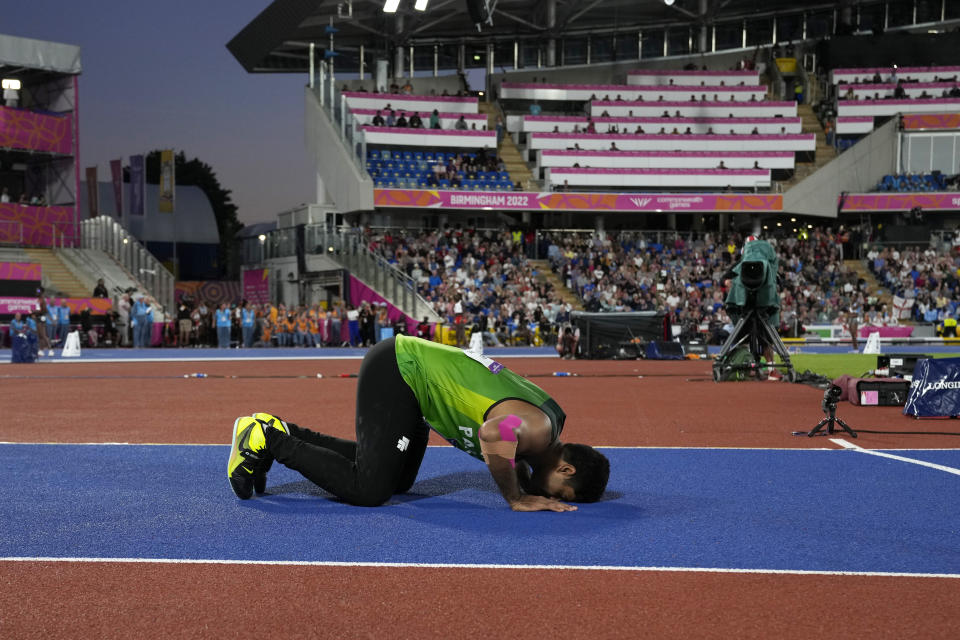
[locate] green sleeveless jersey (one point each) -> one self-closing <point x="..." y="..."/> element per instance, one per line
<point x="456" y="389"/>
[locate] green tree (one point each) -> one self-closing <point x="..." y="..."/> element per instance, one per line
<point x="199" y="174"/>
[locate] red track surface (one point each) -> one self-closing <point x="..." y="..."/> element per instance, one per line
<point x="673" y="404"/>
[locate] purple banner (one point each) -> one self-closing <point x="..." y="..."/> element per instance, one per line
<point x="116" y="175"/>
<point x="256" y="286"/>
<point x="532" y="201"/>
<point x="136" y="185"/>
<point x="901" y="201"/>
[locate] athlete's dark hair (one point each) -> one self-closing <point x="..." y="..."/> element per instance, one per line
<point x="593" y="471"/>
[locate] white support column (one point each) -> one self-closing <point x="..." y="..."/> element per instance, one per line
<point x="322" y="197"/>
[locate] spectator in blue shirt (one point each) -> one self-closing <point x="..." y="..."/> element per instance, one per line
<point x="247" y="321"/>
<point x="223" y="326"/>
<point x="63" y="320"/>
<point x="140" y="324"/>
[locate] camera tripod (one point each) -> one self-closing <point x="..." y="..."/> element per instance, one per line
<point x="752" y="330"/>
<point x="830" y="409"/>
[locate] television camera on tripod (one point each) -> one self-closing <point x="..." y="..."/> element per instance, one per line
<point x="754" y="305"/>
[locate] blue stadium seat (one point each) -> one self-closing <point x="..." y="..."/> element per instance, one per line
<point x="373" y="154"/>
<point x="385" y="155"/>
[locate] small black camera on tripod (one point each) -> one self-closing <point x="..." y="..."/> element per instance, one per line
<point x="829" y="405"/>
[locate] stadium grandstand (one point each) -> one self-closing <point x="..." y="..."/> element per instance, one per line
<point x="611" y="156"/>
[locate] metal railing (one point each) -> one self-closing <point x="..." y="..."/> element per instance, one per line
<point x="334" y="104"/>
<point x="105" y="234"/>
<point x="387" y="280"/>
<point x="350" y="250"/>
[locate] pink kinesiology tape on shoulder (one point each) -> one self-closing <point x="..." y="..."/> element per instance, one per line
<point x="507" y="426"/>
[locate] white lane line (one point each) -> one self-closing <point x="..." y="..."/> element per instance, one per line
<point x="939" y="467"/>
<point x="439" y="565"/>
<point x="444" y="446"/>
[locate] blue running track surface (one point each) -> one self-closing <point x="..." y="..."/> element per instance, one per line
<point x="746" y="509"/>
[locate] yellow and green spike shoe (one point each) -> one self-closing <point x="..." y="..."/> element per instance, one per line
<point x="261" y="468"/>
<point x="248" y="448"/>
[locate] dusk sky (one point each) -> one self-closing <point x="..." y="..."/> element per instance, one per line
<point x="158" y="75"/>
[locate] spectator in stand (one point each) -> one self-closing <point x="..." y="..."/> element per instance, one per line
<point x="100" y="291"/>
<point x="500" y="130"/>
<point x="63" y="321"/>
<point x="401" y="121"/>
<point x="391" y="118"/>
<point x="247" y="323"/>
<point x="407" y="89"/>
<point x="535" y="109"/>
<point x="353" y="324"/>
<point x="139" y="322"/>
<point x="435" y="119"/>
<point x="415" y="121"/>
<point x="184" y="324"/>
<point x="378" y="120"/>
<point x="5" y="196"/>
<point x="461" y="124"/>
<point x="223" y="326"/>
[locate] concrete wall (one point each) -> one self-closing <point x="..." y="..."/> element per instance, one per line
<point x="345" y="183"/>
<point x="856" y="170"/>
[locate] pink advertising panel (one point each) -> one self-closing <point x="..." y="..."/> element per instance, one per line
<point x="256" y="286"/>
<point x="16" y="304"/>
<point x="20" y="271"/>
<point x="35" y="226"/>
<point x="22" y="129"/>
<point x="901" y="201"/>
<point x="597" y="202"/>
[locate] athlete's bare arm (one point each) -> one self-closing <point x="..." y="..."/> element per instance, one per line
<point x="516" y="429"/>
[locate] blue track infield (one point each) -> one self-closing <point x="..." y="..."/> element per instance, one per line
<point x="741" y="509"/>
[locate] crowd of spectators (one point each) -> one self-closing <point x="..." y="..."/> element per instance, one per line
<point x="38" y="200"/>
<point x="479" y="279"/>
<point x="926" y="279"/>
<point x="682" y="277"/>
<point x="485" y="281"/>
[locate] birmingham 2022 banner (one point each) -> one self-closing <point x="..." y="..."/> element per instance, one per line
<point x="586" y="202"/>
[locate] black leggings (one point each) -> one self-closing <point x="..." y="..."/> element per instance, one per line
<point x="391" y="438"/>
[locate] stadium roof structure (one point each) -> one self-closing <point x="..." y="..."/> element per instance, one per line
<point x="28" y="60"/>
<point x="277" y="40"/>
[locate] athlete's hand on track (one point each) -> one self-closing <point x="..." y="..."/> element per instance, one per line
<point x="539" y="503"/>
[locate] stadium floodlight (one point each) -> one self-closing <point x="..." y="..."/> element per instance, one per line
<point x="421" y="5"/>
<point x="390" y="6"/>
<point x="11" y="84"/>
<point x="669" y="3"/>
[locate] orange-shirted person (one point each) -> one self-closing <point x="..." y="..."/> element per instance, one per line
<point x="266" y="331"/>
<point x="302" y="337"/>
<point x="314" y="327"/>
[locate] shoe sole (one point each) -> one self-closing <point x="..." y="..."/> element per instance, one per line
<point x="238" y="485"/>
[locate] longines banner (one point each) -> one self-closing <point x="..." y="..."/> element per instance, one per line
<point x="532" y="201"/>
